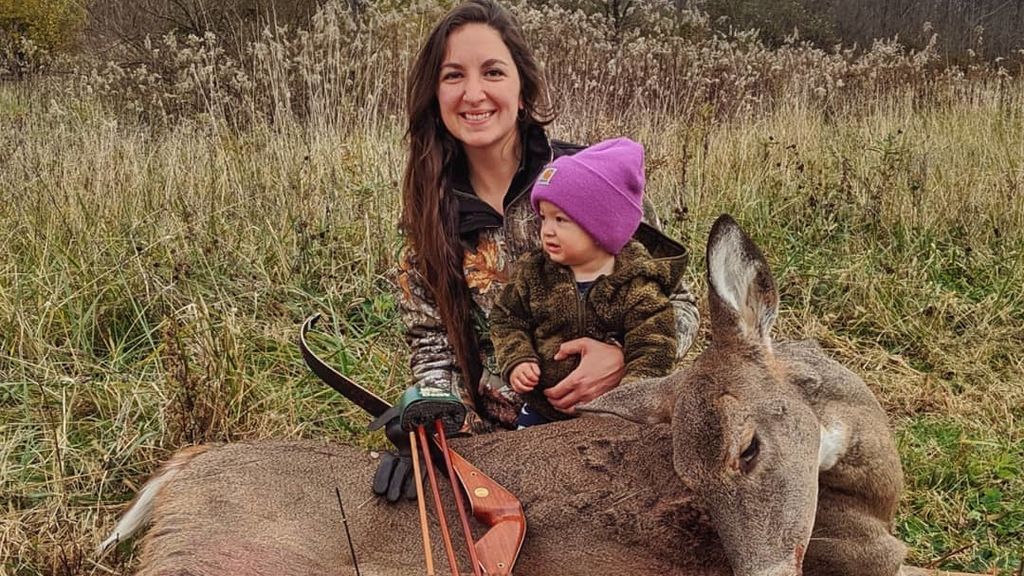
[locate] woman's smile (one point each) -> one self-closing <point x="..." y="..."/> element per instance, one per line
<point x="477" y="117"/>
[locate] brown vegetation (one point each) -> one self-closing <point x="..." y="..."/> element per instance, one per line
<point x="170" y="213"/>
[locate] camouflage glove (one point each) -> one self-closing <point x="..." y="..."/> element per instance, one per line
<point x="416" y="408"/>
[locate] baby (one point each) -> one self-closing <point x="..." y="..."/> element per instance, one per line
<point x="588" y="279"/>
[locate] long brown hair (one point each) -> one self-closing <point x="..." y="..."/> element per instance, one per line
<point x="429" y="212"/>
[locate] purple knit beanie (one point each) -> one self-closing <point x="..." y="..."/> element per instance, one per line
<point x="601" y="188"/>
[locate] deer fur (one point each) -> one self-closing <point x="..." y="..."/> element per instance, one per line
<point x="759" y="459"/>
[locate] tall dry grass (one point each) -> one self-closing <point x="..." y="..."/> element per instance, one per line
<point x="166" y="226"/>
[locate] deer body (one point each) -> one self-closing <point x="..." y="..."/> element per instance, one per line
<point x="598" y="495"/>
<point x="759" y="459"/>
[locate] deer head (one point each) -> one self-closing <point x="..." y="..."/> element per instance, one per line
<point x="743" y="437"/>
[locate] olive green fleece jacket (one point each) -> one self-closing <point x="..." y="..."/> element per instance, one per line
<point x="541" y="308"/>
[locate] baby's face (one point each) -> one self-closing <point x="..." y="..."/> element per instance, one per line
<point x="564" y="241"/>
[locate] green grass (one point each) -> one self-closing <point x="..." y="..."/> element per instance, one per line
<point x="968" y="510"/>
<point x="152" y="282"/>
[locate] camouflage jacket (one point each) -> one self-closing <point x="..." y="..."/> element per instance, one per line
<point x="492" y="244"/>
<point x="541" y="308"/>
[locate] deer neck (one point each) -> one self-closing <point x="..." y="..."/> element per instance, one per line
<point x="596" y="479"/>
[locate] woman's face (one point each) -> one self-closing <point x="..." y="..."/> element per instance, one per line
<point x="479" y="89"/>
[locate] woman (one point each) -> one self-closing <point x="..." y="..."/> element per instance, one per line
<point x="477" y="107"/>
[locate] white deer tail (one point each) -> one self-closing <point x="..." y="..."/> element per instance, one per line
<point x="140" y="512"/>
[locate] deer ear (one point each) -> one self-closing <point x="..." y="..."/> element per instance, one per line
<point x="741" y="295"/>
<point x="648" y="401"/>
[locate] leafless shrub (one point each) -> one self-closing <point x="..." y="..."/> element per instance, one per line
<point x="990" y="25"/>
<point x="20" y="56"/>
<point x="339" y="68"/>
<point x="203" y="363"/>
<point x="348" y="67"/>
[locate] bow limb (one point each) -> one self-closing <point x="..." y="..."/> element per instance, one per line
<point x="497" y="509"/>
<point x="341" y="384"/>
<point x="491" y="504"/>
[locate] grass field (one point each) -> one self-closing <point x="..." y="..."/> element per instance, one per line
<point x="153" y="277"/>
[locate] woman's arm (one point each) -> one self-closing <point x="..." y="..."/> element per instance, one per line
<point x="601" y="368"/>
<point x="684" y="304"/>
<point x="650" y="349"/>
<point x="432" y="360"/>
<point x="687" y="318"/>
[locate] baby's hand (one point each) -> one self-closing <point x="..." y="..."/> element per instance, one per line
<point x="524" y="377"/>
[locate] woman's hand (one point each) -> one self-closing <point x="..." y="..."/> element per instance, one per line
<point x="601" y="369"/>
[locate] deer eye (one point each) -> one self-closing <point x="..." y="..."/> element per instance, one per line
<point x="748" y="458"/>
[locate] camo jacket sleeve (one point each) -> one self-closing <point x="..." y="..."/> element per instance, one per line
<point x="687" y="318"/>
<point x="432" y="360"/>
<point x="684" y="304"/>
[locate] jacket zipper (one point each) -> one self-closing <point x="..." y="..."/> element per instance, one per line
<point x="581" y="301"/>
<point x="524" y="189"/>
<point x="578" y="324"/>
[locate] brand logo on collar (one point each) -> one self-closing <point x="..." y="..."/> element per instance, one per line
<point x="545" y="177"/>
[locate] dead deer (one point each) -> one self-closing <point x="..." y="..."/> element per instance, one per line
<point x="759" y="459"/>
